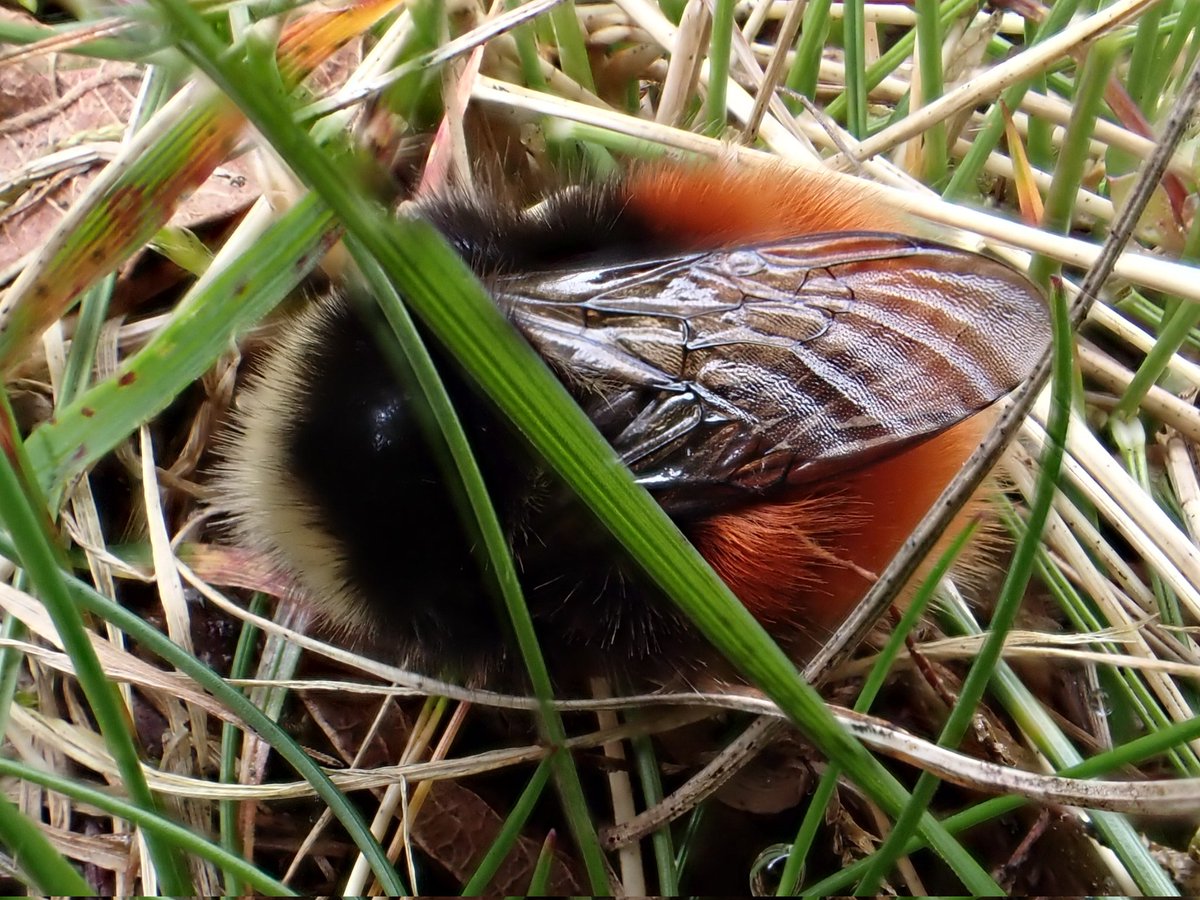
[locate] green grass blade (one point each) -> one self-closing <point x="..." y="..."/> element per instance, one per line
<point x="93" y="310"/>
<point x="896" y="54"/>
<point x="202" y="329"/>
<point x="11" y="658"/>
<point x="1115" y="829"/>
<point x="806" y="65"/>
<point x="815" y="814"/>
<point x="929" y="47"/>
<point x="572" y="49"/>
<point x="163" y="829"/>
<point x="719" y="53"/>
<point x="240" y="667"/>
<point x="541" y="869"/>
<point x="966" y="175"/>
<point x="1147" y="46"/>
<point x="418" y="367"/>
<point x="514" y="823"/>
<point x="90" y="600"/>
<point x="646" y="763"/>
<point x="1177" y="327"/>
<point x="125" y="207"/>
<point x="46" y="868"/>
<point x="35" y="551"/>
<point x="854" y="42"/>
<point x="1143" y="748"/>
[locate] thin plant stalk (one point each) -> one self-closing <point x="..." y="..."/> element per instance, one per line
<point x="153" y="641"/>
<point x="806" y="64"/>
<point x="929" y="49"/>
<point x="896" y="54"/>
<point x="420" y="369"/>
<point x="1176" y="329"/>
<point x="1140" y="749"/>
<point x="646" y="763"/>
<point x="240" y="667"/>
<point x="1073" y="155"/>
<point x="854" y="28"/>
<point x="719" y="53"/>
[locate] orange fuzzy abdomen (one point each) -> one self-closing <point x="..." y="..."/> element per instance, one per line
<point x="729" y="205"/>
<point x="806" y="560"/>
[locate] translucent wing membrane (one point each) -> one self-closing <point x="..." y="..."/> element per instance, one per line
<point x="742" y="370"/>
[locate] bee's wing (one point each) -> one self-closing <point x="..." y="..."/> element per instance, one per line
<point x="744" y="369"/>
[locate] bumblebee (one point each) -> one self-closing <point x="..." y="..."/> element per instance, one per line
<point x="790" y="374"/>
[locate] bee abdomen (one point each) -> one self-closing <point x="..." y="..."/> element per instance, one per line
<point x="333" y="478"/>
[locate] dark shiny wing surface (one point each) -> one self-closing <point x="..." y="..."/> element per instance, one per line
<point x="749" y="368"/>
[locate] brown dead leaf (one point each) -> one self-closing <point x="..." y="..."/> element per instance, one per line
<point x="46" y="109"/>
<point x="851" y="841"/>
<point x="457" y="827"/>
<point x="778" y="779"/>
<point x="226" y="566"/>
<point x="62" y="119"/>
<point x="229" y="190"/>
<point x="345" y="719"/>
